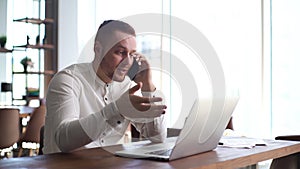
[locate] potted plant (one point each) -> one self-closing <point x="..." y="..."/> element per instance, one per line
<point x="2" y="41"/>
<point x="26" y="62"/>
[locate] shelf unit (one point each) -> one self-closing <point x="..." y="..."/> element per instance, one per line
<point x="44" y="46"/>
<point x="24" y="92"/>
<point x="4" y="50"/>
<point x="35" y="20"/>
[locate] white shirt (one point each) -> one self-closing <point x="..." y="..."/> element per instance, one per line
<point x="77" y="99"/>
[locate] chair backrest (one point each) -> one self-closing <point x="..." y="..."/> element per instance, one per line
<point x="173" y="132"/>
<point x="36" y="121"/>
<point x="9" y="127"/>
<point x="41" y="141"/>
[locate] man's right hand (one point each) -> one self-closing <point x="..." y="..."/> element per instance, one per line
<point x="133" y="107"/>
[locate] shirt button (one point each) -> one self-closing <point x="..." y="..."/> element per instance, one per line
<point x="119" y="122"/>
<point x="104" y="134"/>
<point x="102" y="141"/>
<point x="105" y="98"/>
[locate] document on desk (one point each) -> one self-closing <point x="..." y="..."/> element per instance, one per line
<point x="241" y="142"/>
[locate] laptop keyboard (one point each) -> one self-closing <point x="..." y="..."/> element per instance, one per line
<point x="161" y="152"/>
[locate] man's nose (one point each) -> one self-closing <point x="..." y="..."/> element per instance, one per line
<point x="127" y="59"/>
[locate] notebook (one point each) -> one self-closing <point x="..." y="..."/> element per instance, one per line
<point x="202" y="130"/>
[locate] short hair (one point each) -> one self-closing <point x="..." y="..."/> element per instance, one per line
<point x="109" y="27"/>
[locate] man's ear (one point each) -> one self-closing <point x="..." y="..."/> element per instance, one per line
<point x="97" y="48"/>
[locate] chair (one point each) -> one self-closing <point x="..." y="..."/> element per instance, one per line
<point x="173" y="132"/>
<point x="9" y="129"/>
<point x="41" y="140"/>
<point x="288" y="137"/>
<point x="230" y="124"/>
<point x="32" y="132"/>
<point x="290" y="161"/>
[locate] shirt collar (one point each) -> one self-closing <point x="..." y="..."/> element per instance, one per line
<point x="97" y="79"/>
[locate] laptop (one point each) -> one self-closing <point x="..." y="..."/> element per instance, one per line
<point x="202" y="130"/>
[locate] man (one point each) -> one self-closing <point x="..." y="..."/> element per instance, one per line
<point x="92" y="104"/>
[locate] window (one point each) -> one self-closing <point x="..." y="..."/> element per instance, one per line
<point x="254" y="40"/>
<point x="285" y="69"/>
<point x="235" y="34"/>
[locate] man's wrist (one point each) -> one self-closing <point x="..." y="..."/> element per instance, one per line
<point x="112" y="114"/>
<point x="148" y="87"/>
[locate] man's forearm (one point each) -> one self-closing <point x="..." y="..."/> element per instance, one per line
<point x="148" y="87"/>
<point x="67" y="133"/>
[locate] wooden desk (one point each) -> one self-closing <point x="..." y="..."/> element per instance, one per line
<point x="100" y="158"/>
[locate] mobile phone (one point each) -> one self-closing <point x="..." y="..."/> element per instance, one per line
<point x="133" y="70"/>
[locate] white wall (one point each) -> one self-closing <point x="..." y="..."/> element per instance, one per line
<point x="77" y="25"/>
<point x="3" y="28"/>
<point x="3" y="15"/>
<point x="67" y="33"/>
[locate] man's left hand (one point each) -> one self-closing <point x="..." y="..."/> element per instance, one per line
<point x="144" y="74"/>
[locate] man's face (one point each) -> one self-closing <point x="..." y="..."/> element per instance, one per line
<point x="118" y="60"/>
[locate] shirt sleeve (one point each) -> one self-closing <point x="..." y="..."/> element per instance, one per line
<point x="67" y="130"/>
<point x="98" y="123"/>
<point x="62" y="124"/>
